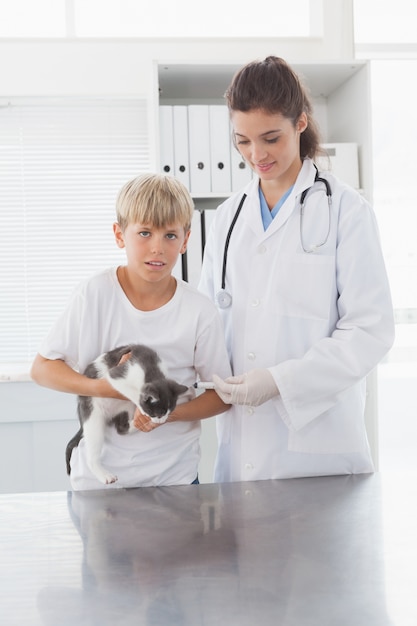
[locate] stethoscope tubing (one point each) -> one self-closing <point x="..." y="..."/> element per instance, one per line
<point x="227" y="241"/>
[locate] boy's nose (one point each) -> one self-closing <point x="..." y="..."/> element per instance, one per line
<point x="157" y="246"/>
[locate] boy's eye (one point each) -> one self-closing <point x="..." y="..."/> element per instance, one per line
<point x="144" y="233"/>
<point x="171" y="236"/>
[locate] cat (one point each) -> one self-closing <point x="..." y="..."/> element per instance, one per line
<point x="142" y="378"/>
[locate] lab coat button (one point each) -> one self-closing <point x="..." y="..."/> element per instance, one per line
<point x="262" y="249"/>
<point x="248" y="466"/>
<point x="250" y="410"/>
<point x="251" y="356"/>
<point x="255" y="302"/>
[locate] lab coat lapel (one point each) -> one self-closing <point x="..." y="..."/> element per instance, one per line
<point x="251" y="212"/>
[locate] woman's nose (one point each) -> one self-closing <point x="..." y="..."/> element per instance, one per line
<point x="259" y="153"/>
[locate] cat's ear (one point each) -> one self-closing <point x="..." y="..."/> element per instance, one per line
<point x="116" y="358"/>
<point x="177" y="388"/>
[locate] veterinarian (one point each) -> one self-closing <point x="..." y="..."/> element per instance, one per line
<point x="141" y="302"/>
<point x="294" y="264"/>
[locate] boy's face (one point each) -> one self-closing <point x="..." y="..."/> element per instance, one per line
<point x="151" y="252"/>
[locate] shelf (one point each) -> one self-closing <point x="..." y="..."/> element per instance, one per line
<point x="210" y="81"/>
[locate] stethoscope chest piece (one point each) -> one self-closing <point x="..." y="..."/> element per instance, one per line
<point x="223" y="299"/>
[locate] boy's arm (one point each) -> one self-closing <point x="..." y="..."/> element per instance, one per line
<point x="205" y="405"/>
<point x="58" y="375"/>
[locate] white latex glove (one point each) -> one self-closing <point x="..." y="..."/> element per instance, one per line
<point x="252" y="388"/>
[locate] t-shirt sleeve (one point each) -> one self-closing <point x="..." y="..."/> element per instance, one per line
<point x="211" y="355"/>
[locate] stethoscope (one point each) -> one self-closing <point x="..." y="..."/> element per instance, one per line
<point x="223" y="297"/>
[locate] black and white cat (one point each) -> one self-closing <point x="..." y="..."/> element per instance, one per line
<point x="143" y="380"/>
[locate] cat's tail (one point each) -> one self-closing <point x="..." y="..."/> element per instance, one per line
<point x="73" y="443"/>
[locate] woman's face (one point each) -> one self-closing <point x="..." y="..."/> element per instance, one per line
<point x="269" y="143"/>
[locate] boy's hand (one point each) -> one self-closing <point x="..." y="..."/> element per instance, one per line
<point x="143" y="422"/>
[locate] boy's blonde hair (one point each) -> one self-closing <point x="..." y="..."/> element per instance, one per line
<point x="155" y="199"/>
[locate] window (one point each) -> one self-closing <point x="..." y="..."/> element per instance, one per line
<point x="157" y="18"/>
<point x="384" y="22"/>
<point x="62" y="164"/>
<point x="32" y="18"/>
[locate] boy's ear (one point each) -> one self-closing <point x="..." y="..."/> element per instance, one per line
<point x="118" y="235"/>
<point x="184" y="245"/>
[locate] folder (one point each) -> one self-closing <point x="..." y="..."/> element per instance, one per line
<point x="194" y="254"/>
<point x="241" y="172"/>
<point x="199" y="144"/>
<point x="342" y="160"/>
<point x="181" y="155"/>
<point x="207" y="217"/>
<point x="166" y="139"/>
<point x="221" y="180"/>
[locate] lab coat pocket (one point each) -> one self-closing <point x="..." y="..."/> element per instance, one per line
<point x="306" y="285"/>
<point x="340" y="430"/>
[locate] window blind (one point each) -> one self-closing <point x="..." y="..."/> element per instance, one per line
<point x="62" y="164"/>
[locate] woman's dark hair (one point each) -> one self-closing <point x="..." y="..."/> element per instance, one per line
<point x="273" y="86"/>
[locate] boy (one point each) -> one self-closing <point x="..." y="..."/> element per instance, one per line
<point x="141" y="302"/>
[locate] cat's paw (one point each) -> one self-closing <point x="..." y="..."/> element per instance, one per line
<point x="103" y="475"/>
<point x="109" y="479"/>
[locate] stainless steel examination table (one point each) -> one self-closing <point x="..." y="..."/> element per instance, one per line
<point x="332" y="551"/>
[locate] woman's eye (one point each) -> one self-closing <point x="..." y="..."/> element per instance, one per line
<point x="274" y="140"/>
<point x="242" y="142"/>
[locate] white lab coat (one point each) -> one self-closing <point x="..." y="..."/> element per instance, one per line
<point x="320" y="321"/>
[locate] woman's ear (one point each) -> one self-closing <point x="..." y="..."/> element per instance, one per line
<point x="118" y="235"/>
<point x="302" y="123"/>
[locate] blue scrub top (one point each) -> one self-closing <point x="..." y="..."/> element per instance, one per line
<point x="267" y="215"/>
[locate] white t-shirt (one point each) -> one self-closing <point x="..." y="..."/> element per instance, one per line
<point x="188" y="335"/>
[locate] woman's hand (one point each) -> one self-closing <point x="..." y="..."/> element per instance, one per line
<point x="251" y="389"/>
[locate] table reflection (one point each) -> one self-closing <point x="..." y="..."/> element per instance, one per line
<point x="288" y="553"/>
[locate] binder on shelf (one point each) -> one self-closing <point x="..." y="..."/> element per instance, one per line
<point x="221" y="180"/>
<point x="181" y="154"/>
<point x="166" y="140"/>
<point x="207" y="217"/>
<point x="241" y="172"/>
<point x="194" y="254"/>
<point x="199" y="145"/>
<point x="342" y="161"/>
